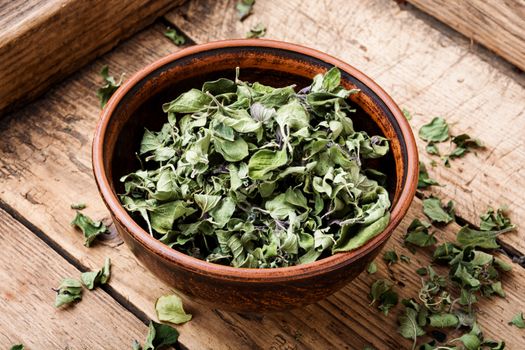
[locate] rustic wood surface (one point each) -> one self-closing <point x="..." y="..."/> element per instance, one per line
<point x="41" y="42"/>
<point x="29" y="270"/>
<point x="45" y="163"/>
<point x="499" y="25"/>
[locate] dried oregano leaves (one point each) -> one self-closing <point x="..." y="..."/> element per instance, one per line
<point x="250" y="175"/>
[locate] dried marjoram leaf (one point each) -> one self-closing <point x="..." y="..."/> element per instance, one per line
<point x="257" y="31"/>
<point x="175" y="37"/>
<point x="70" y="290"/>
<point x="90" y="228"/>
<point x="109" y="86"/>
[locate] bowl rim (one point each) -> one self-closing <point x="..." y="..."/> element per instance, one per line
<point x="224" y="272"/>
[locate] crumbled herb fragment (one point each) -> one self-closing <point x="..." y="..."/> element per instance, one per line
<point x="435" y="131"/>
<point x="108" y="88"/>
<point x="175" y="37"/>
<point x="381" y="292"/>
<point x="159" y="336"/>
<point x="248" y="175"/>
<point x="390" y="257"/>
<point x="169" y="309"/>
<point x="434" y="210"/>
<point x="95" y="278"/>
<point x="244" y="8"/>
<point x="468" y="237"/>
<point x="257" y="31"/>
<point x="443" y="320"/>
<point x="417" y="234"/>
<point x="432" y="149"/>
<point x="91" y="229"/>
<point x="372" y="268"/>
<point x="409" y="326"/>
<point x="464" y="144"/>
<point x="495" y="220"/>
<point x="424" y="179"/>
<point x="70" y="290"/>
<point x="407" y="114"/>
<point x="18" y="347"/>
<point x="78" y="206"/>
<point x="518" y="320"/>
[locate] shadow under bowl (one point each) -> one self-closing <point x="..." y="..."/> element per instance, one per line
<point x="138" y="105"/>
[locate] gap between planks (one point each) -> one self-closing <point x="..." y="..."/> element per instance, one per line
<point x="26" y="300"/>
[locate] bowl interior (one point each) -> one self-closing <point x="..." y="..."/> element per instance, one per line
<point x="140" y="106"/>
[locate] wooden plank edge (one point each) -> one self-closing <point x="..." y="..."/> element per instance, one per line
<point x="33" y="61"/>
<point x="497" y="25"/>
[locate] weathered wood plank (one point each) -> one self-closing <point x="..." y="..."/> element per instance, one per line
<point x="499" y="25"/>
<point x="45" y="167"/>
<point x="430" y="71"/>
<point x="41" y="42"/>
<point x="29" y="269"/>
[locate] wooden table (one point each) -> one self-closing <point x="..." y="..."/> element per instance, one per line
<point x="429" y="69"/>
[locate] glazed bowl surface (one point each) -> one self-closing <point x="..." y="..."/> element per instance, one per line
<point x="138" y="104"/>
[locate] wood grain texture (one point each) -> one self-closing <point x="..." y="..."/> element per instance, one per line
<point x="426" y="68"/>
<point x="26" y="300"/>
<point x="498" y="25"/>
<point x="46" y="166"/>
<point x="41" y="42"/>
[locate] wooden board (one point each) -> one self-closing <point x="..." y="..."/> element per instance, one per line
<point x="29" y="269"/>
<point x="427" y="69"/>
<point x="47" y="166"/>
<point x="41" y="42"/>
<point x="499" y="25"/>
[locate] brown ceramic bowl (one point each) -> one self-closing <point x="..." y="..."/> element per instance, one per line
<point x="137" y="104"/>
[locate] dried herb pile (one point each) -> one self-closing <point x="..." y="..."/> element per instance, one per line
<point x="249" y="175"/>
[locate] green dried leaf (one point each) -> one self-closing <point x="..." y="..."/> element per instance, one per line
<point x="189" y="102"/>
<point x="424" y="179"/>
<point x="443" y="320"/>
<point x="433" y="209"/>
<point x="169" y="309"/>
<point x="257" y="31"/>
<point x="175" y="37"/>
<point x="91" y="229"/>
<point x="435" y="131"/>
<point x="518" y="320"/>
<point x="18" y="347"/>
<point x="407" y="114"/>
<point x="244" y="8"/>
<point x="362" y="236"/>
<point x="382" y="293"/>
<point x="390" y="257"/>
<point x="109" y="86"/>
<point x="78" y="206"/>
<point x="470" y="341"/>
<point x="372" y="268"/>
<point x="70" y="290"/>
<point x="495" y="220"/>
<point x="95" y="278"/>
<point x="159" y="336"/>
<point x="417" y="234"/>
<point x="409" y="326"/>
<point x="468" y="237"/>
<point x="264" y="161"/>
<point x="431" y="148"/>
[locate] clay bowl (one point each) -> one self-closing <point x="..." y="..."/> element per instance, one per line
<point x="137" y="104"/>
